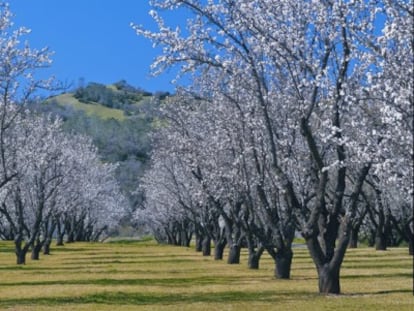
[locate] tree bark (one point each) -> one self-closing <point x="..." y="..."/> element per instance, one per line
<point x="46" y="247"/>
<point x="234" y="254"/>
<point x="59" y="241"/>
<point x="329" y="280"/>
<point x="20" y="251"/>
<point x="283" y="262"/>
<point x="198" y="243"/>
<point x="206" y="246"/>
<point x="380" y="241"/>
<point x="36" y="251"/>
<point x="219" y="249"/>
<point x="254" y="257"/>
<point x="353" y="240"/>
<point x="21" y="257"/>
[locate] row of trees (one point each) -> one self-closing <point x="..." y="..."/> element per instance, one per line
<point x="299" y="117"/>
<point x="52" y="183"/>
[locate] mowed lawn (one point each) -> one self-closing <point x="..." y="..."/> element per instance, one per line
<point x="147" y="276"/>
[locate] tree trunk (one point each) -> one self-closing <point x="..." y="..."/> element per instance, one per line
<point x="59" y="241"/>
<point x="353" y="240"/>
<point x="411" y="246"/>
<point x="234" y="254"/>
<point x="254" y="258"/>
<point x="36" y="250"/>
<point x="46" y="247"/>
<point x="60" y="233"/>
<point x="253" y="262"/>
<point x="20" y="252"/>
<point x="21" y="257"/>
<point x="206" y="246"/>
<point x="198" y="243"/>
<point x="219" y="249"/>
<point x="283" y="264"/>
<point x="329" y="280"/>
<point x="380" y="241"/>
<point x="70" y="237"/>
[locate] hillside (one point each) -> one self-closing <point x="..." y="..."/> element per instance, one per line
<point x="115" y="101"/>
<point x="119" y="118"/>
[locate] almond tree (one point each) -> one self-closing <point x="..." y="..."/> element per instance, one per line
<point x="311" y="70"/>
<point x="18" y="85"/>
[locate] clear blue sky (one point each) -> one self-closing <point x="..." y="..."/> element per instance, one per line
<point x="92" y="39"/>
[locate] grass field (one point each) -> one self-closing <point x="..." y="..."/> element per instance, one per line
<point x="146" y="276"/>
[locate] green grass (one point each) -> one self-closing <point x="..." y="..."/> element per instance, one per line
<point x="140" y="275"/>
<point x="90" y="109"/>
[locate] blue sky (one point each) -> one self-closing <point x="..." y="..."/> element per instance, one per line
<point x="92" y="39"/>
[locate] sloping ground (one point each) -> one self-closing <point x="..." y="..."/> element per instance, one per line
<point x="90" y="108"/>
<point x="134" y="275"/>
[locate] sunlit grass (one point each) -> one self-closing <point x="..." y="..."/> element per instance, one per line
<point x="90" y="109"/>
<point x="133" y="275"/>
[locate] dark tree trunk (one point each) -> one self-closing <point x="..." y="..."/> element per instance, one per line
<point x="21" y="257"/>
<point x="283" y="263"/>
<point x="329" y="280"/>
<point x="36" y="250"/>
<point x="70" y="237"/>
<point x="206" y="246"/>
<point x="380" y="241"/>
<point x="46" y="247"/>
<point x="198" y="243"/>
<point x="59" y="241"/>
<point x="234" y="254"/>
<point x="408" y="234"/>
<point x="20" y="251"/>
<point x="219" y="249"/>
<point x="255" y="252"/>
<point x="254" y="257"/>
<point x="371" y="238"/>
<point x="353" y="240"/>
<point x="253" y="262"/>
<point x="186" y="238"/>
<point x="59" y="234"/>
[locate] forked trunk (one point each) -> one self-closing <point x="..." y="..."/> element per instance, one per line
<point x="329" y="280"/>
<point x="254" y="257"/>
<point x="234" y="254"/>
<point x="283" y="262"/>
<point x="20" y="253"/>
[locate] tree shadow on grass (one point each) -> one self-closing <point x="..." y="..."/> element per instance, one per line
<point x="168" y="282"/>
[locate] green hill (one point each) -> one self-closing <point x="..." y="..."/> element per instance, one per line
<point x="119" y="118"/>
<point x="91" y="108"/>
<point x="115" y="101"/>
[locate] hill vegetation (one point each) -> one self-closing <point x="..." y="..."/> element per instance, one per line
<point x="119" y="118"/>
